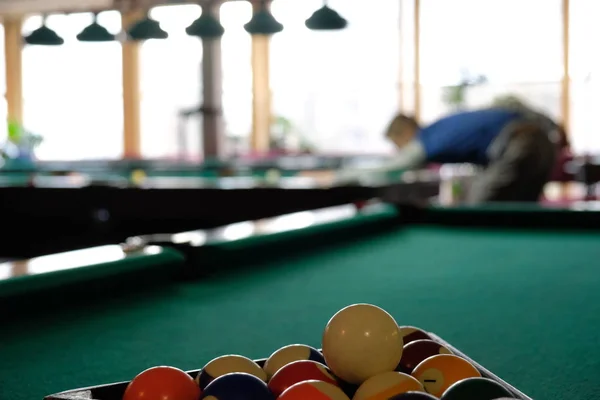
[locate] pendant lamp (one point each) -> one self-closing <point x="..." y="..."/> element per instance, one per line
<point x="263" y="22"/>
<point x="44" y="36"/>
<point x="146" y="29"/>
<point x="326" y="19"/>
<point x="95" y="33"/>
<point x="207" y="26"/>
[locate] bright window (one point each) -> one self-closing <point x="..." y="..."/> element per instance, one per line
<point x="585" y="76"/>
<point x="171" y="81"/>
<point x="73" y="93"/>
<point x="3" y="105"/>
<point x="514" y="44"/>
<point x="237" y="71"/>
<point x="337" y="89"/>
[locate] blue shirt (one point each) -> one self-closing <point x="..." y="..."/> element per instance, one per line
<point x="464" y="137"/>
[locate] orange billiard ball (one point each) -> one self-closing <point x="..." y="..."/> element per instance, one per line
<point x="299" y="371"/>
<point x="387" y="385"/>
<point x="313" y="390"/>
<point x="162" y="383"/>
<point x="437" y="373"/>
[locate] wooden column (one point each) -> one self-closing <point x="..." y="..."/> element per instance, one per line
<point x="132" y="144"/>
<point x="401" y="52"/>
<point x="14" y="67"/>
<point x="417" y="60"/>
<point x="213" y="127"/>
<point x="261" y="92"/>
<point x="566" y="80"/>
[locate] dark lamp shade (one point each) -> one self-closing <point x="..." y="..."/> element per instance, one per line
<point x="44" y="36"/>
<point x="326" y="19"/>
<point x="263" y="23"/>
<point x="95" y="33"/>
<point x="206" y="27"/>
<point x="146" y="29"/>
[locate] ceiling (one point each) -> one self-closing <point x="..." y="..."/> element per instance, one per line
<point x="20" y="7"/>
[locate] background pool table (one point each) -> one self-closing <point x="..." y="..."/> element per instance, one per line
<point x="524" y="302"/>
<point x="64" y="213"/>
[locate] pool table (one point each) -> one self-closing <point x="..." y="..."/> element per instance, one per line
<point x="63" y="213"/>
<point x="289" y="165"/>
<point x="514" y="287"/>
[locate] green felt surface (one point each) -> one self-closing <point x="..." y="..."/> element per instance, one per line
<point x="526" y="305"/>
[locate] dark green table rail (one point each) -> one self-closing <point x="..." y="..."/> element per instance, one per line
<point x="524" y="302"/>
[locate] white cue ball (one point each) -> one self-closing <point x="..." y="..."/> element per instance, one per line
<point x="361" y="341"/>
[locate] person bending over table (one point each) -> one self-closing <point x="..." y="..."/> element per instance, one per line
<point x="516" y="146"/>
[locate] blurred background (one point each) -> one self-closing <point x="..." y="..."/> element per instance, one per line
<point x="333" y="92"/>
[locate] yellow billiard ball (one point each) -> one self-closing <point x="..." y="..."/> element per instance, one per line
<point x="361" y="341"/>
<point x="228" y="364"/>
<point x="138" y="176"/>
<point x="272" y="176"/>
<point x="437" y="373"/>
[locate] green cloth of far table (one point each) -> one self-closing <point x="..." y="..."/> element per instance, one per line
<point x="526" y="305"/>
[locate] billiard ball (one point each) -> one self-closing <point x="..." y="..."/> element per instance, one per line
<point x="272" y="176"/>
<point x="237" y="385"/>
<point x="415" y="352"/>
<point x="476" y="389"/>
<point x="138" y="176"/>
<point x="413" y="396"/>
<point x="438" y="373"/>
<point x="162" y="383"/>
<point x="228" y="364"/>
<point x="313" y="390"/>
<point x="411" y="333"/>
<point x="361" y="341"/>
<point x="288" y="354"/>
<point x="299" y="371"/>
<point x="359" y="205"/>
<point x="386" y="385"/>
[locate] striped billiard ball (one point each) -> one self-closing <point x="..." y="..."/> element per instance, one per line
<point x="476" y="389"/>
<point x="417" y="351"/>
<point x="289" y="354"/>
<point x="235" y="386"/>
<point x="386" y="385"/>
<point x="412" y="333"/>
<point x="226" y="365"/>
<point x="299" y="371"/>
<point x="313" y="390"/>
<point x="414" y="396"/>
<point x="438" y="373"/>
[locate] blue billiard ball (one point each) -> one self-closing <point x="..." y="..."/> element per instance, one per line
<point x="237" y="386"/>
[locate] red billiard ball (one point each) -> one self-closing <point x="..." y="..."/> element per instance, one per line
<point x="359" y="205"/>
<point x="162" y="383"/>
<point x="417" y="351"/>
<point x="299" y="371"/>
<point x="289" y="354"/>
